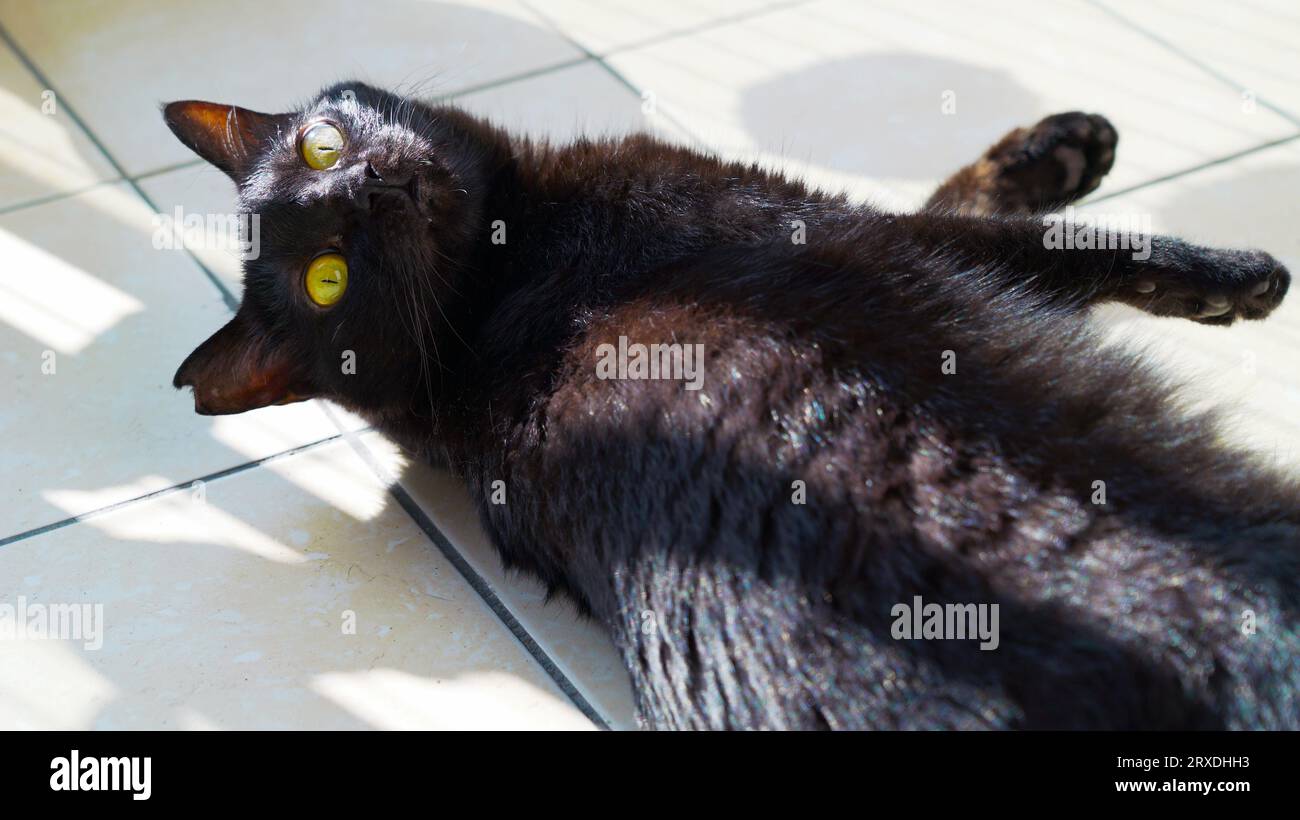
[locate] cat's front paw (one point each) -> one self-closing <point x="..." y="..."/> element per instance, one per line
<point x="1218" y="289"/>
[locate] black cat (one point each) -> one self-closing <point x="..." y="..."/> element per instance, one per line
<point x="893" y="411"/>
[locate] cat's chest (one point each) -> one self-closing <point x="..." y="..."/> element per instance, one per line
<point x="636" y="234"/>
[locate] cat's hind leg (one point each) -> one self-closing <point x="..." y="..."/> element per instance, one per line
<point x="1033" y="170"/>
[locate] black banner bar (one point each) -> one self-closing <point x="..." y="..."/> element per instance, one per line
<point x="333" y="770"/>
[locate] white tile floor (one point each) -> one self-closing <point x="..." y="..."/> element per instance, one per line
<point x="228" y="603"/>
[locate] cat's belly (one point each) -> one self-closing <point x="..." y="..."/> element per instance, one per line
<point x="747" y="531"/>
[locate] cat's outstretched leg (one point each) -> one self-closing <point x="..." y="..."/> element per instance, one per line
<point x="1033" y="170"/>
<point x="1158" y="274"/>
<point x="1039" y="169"/>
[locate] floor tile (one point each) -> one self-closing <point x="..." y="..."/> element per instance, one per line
<point x="578" y="646"/>
<point x="291" y="595"/>
<point x="1255" y="46"/>
<point x="855" y="94"/>
<point x="116" y="62"/>
<point x="603" y="26"/>
<point x="93" y="324"/>
<point x="585" y="100"/>
<point x="41" y="154"/>
<point x="1251" y="371"/>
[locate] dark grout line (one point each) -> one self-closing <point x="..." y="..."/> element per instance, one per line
<point x="44" y="81"/>
<point x="640" y="94"/>
<point x="1192" y="170"/>
<point x="229" y="298"/>
<point x="103" y="183"/>
<point x="167" y="169"/>
<point x="494" y="603"/>
<point x="512" y="78"/>
<point x="1205" y="68"/>
<point x="476" y="581"/>
<point x="226" y="473"/>
<point x="738" y="17"/>
<point x="672" y="34"/>
<point x="55" y="197"/>
<point x="615" y="73"/>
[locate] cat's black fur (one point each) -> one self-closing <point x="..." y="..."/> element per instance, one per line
<point x="668" y="514"/>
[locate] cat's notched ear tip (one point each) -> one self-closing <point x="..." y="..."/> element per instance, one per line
<point x="182" y="380"/>
<point x="228" y="377"/>
<point x="203" y="407"/>
<point x="203" y="410"/>
<point x="205" y="401"/>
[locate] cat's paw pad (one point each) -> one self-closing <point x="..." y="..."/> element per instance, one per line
<point x="1242" y="285"/>
<point x="1059" y="160"/>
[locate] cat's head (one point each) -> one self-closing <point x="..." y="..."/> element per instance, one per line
<point x="365" y="203"/>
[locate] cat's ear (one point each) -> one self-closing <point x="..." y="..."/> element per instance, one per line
<point x="240" y="368"/>
<point x="227" y="136"/>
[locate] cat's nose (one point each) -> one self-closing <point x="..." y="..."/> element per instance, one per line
<point x="378" y="185"/>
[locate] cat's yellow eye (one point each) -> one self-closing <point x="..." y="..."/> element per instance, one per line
<point x="327" y="278"/>
<point x="320" y="145"/>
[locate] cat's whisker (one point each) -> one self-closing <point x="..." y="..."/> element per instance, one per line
<point x="446" y="320"/>
<point x="416" y="307"/>
<point x="434" y="270"/>
<point x="403" y="306"/>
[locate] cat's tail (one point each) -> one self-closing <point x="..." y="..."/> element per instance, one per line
<point x="1033" y="170"/>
